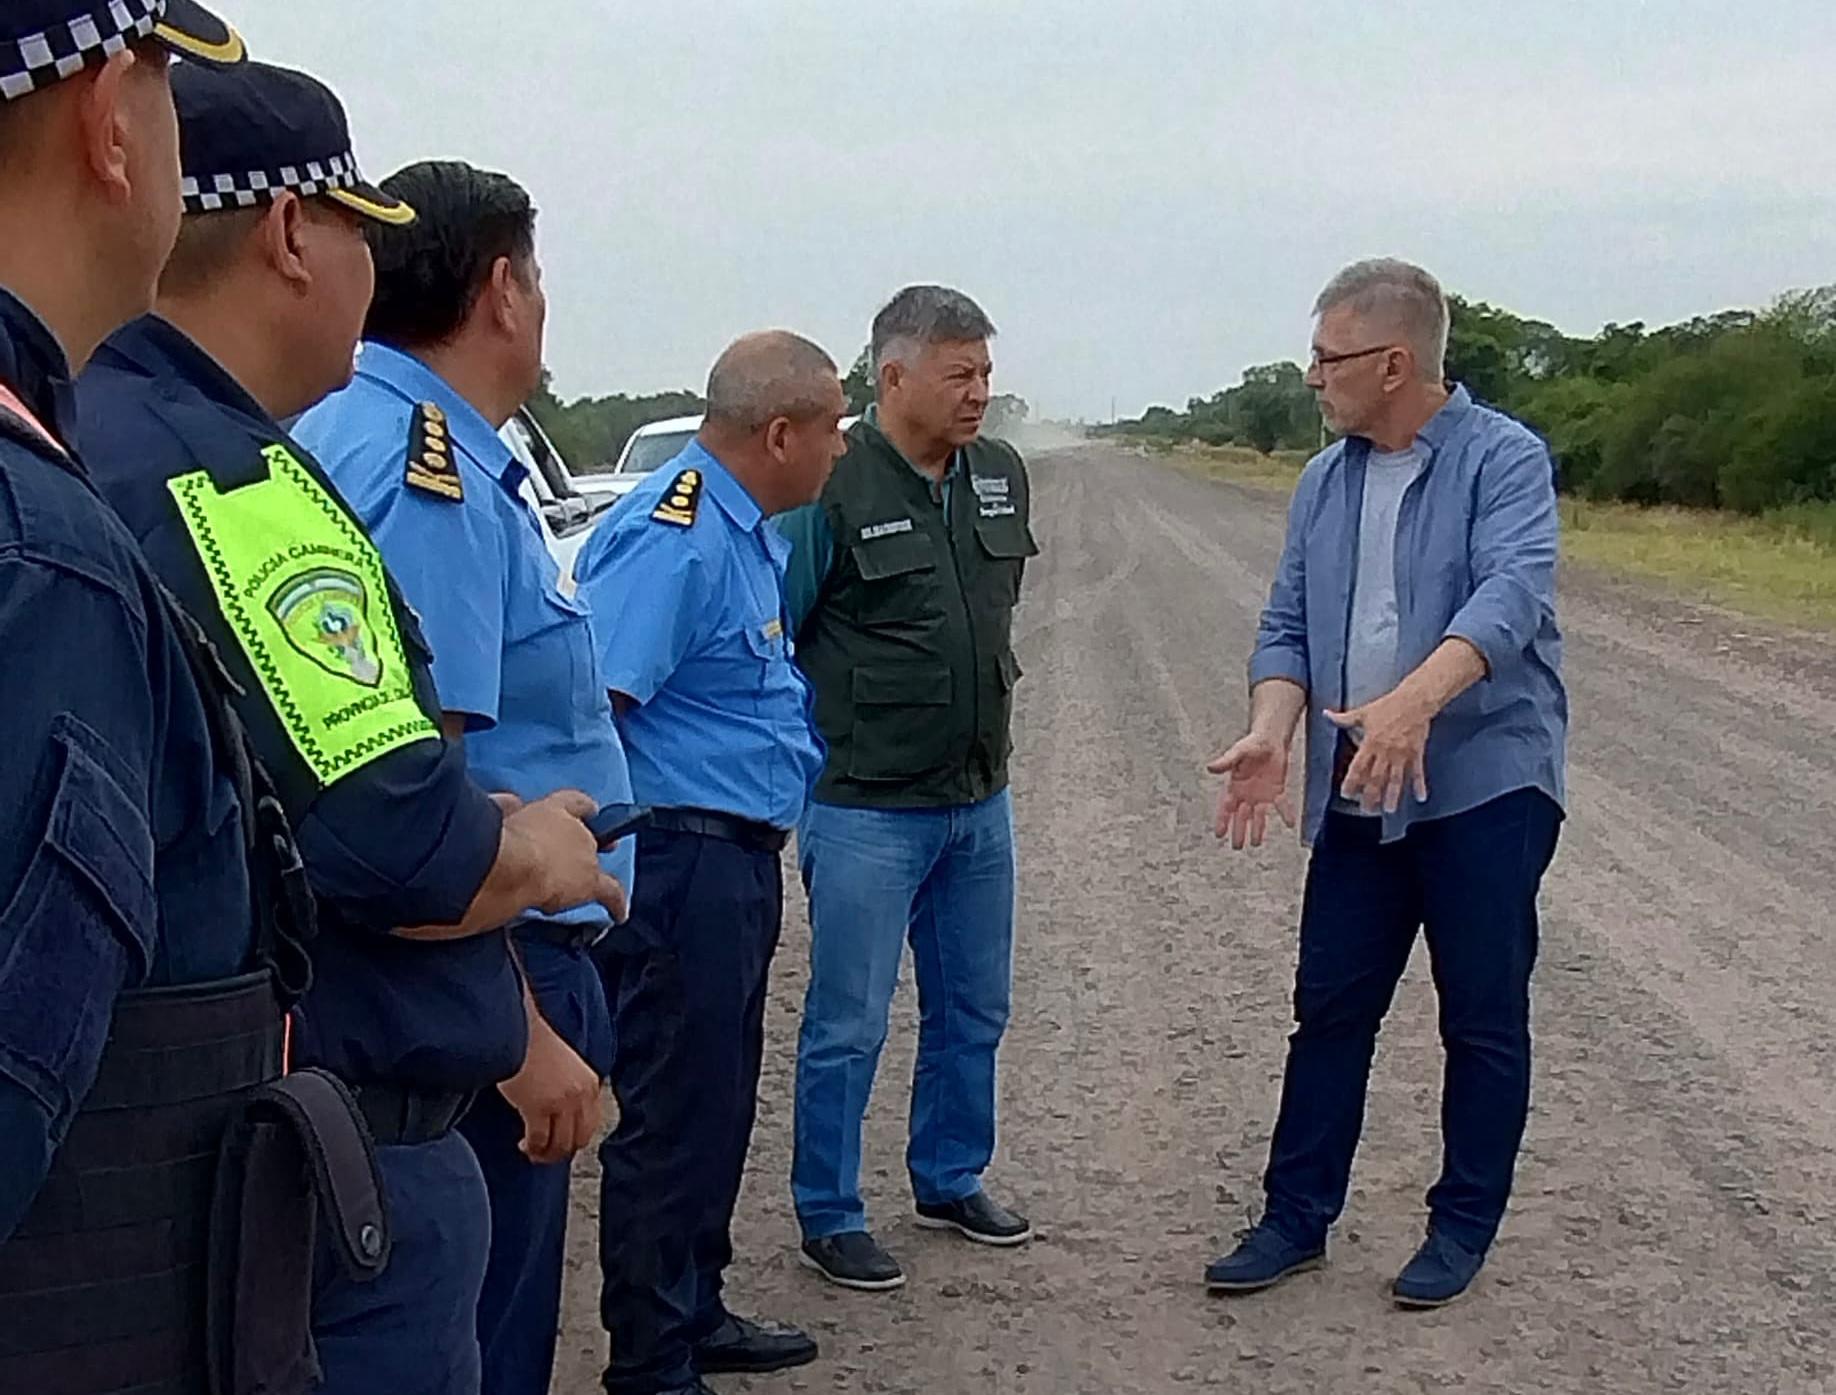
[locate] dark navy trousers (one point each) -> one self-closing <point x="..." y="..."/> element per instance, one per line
<point x="411" y="1330"/>
<point x="1469" y="883"/>
<point x="519" y="1306"/>
<point x="686" y="978"/>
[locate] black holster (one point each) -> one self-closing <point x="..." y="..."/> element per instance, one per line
<point x="298" y="1157"/>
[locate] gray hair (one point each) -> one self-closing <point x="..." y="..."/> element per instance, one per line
<point x="1404" y="297"/>
<point x="923" y="315"/>
<point x="773" y="373"/>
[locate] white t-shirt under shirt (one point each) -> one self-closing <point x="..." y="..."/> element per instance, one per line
<point x="1372" y="667"/>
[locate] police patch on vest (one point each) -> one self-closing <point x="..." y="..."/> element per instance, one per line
<point x="681" y="500"/>
<point x="324" y="612"/>
<point x="430" y="455"/>
<point x="886" y="530"/>
<point x="303" y="589"/>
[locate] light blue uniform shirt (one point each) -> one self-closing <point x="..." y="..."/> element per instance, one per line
<point x="1475" y="558"/>
<point x="690" y="624"/>
<point x="510" y="651"/>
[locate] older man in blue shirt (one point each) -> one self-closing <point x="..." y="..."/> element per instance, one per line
<point x="686" y="584"/>
<point x="1412" y="620"/>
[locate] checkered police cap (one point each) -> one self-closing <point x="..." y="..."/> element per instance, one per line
<point x="42" y="42"/>
<point x="251" y="133"/>
<point x="213" y="193"/>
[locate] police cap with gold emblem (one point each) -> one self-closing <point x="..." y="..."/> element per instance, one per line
<point x="42" y="42"/>
<point x="253" y="132"/>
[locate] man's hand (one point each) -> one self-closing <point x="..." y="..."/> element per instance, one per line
<point x="1258" y="770"/>
<point x="1391" y="750"/>
<point x="557" y="1094"/>
<point x="554" y="832"/>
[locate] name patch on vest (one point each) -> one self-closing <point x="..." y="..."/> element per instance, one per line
<point x="886" y="530"/>
<point x="991" y="496"/>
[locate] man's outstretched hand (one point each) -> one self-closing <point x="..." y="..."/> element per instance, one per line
<point x="1257" y="781"/>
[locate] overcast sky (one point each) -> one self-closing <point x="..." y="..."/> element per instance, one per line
<point x="1144" y="196"/>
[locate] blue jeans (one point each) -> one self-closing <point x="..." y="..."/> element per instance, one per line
<point x="519" y="1306"/>
<point x="1469" y="883"/>
<point x="412" y="1329"/>
<point x="945" y="879"/>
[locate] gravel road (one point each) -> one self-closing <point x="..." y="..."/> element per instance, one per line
<point x="1673" y="1222"/>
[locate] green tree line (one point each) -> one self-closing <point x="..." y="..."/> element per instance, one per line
<point x="1734" y="410"/>
<point x="591" y="431"/>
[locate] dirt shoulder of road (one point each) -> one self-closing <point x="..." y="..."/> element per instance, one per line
<point x="1769" y="569"/>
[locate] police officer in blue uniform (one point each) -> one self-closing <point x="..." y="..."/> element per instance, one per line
<point x="685" y="581"/>
<point x="144" y="884"/>
<point x="258" y="314"/>
<point x="454" y="347"/>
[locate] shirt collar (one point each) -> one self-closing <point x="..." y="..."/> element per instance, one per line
<point x="34" y="365"/>
<point x="1434" y="433"/>
<point x="162" y="350"/>
<point x="1446" y="421"/>
<point x="414" y="380"/>
<point x="722" y="486"/>
<point x="871" y="419"/>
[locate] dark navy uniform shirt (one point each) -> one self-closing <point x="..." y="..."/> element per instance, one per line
<point x="405" y="837"/>
<point x="122" y="861"/>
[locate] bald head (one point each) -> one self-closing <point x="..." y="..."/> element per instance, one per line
<point x="775" y="405"/>
<point x="770" y="374"/>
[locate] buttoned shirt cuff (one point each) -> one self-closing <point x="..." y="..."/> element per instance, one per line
<point x="1492" y="639"/>
<point x="1278" y="662"/>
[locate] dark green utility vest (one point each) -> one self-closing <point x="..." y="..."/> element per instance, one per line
<point x="909" y="645"/>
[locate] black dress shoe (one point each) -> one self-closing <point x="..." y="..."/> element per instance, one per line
<point x="853" y="1259"/>
<point x="752" y="1348"/>
<point x="977" y="1218"/>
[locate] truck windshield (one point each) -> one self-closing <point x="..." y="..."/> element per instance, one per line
<point x="648" y="452"/>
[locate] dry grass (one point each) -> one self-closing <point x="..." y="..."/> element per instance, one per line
<point x="1781" y="565"/>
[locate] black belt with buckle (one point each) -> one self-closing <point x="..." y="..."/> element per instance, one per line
<point x="562" y="935"/>
<point x="400" y="1116"/>
<point x="760" y="837"/>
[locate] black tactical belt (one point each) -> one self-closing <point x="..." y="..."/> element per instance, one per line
<point x="402" y="1117"/>
<point x="760" y="837"/>
<point x="561" y="935"/>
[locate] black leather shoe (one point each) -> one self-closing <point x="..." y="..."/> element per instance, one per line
<point x="852" y="1259"/>
<point x="752" y="1348"/>
<point x="977" y="1218"/>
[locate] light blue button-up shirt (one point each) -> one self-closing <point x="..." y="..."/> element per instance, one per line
<point x="510" y="651"/>
<point x="1475" y="560"/>
<point x="690" y="624"/>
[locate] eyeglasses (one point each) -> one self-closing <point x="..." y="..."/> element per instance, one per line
<point x="1320" y="360"/>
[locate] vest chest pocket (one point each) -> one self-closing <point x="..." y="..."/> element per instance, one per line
<point x="1006" y="542"/>
<point x="901" y="725"/>
<point x="898" y="577"/>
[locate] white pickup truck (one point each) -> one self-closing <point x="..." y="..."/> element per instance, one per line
<point x="568" y="504"/>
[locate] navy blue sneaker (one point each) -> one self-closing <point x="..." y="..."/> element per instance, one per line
<point x="1262" y="1259"/>
<point x="1441" y="1271"/>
